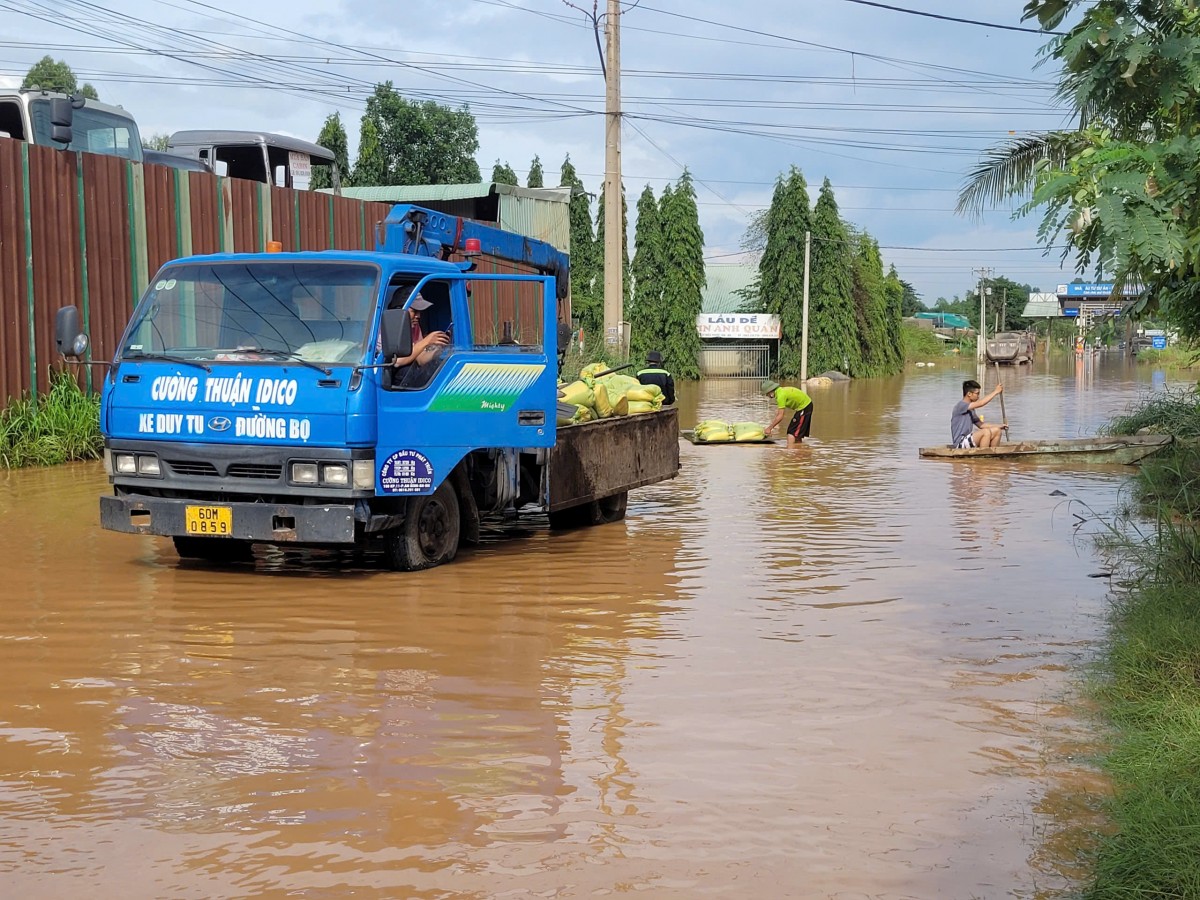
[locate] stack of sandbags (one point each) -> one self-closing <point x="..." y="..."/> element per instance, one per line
<point x="597" y="396"/>
<point x="713" y="431"/>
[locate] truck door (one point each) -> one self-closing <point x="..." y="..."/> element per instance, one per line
<point x="493" y="386"/>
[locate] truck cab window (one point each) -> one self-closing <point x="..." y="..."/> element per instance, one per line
<point x="507" y="315"/>
<point x="435" y="316"/>
<point x="10" y="120"/>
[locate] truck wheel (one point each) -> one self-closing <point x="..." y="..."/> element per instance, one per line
<point x="214" y="550"/>
<point x="610" y="509"/>
<point x="429" y="535"/>
<point x="597" y="512"/>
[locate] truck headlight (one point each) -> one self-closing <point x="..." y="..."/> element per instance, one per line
<point x="364" y="474"/>
<point x="147" y="464"/>
<point x="304" y="473"/>
<point x="334" y="474"/>
<point x="125" y="463"/>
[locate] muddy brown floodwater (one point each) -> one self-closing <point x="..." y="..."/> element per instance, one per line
<point x="839" y="672"/>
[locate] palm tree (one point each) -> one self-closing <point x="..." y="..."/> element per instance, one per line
<point x="1009" y="168"/>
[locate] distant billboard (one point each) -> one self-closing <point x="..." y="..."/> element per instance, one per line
<point x="1096" y="289"/>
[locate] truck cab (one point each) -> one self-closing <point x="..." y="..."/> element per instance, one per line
<point x="50" y="119"/>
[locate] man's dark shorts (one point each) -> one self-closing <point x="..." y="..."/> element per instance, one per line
<point x="801" y="423"/>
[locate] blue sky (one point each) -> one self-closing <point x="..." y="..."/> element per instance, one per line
<point x="894" y="108"/>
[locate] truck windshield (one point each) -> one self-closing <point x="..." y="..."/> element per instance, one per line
<point x="92" y="131"/>
<point x="315" y="312"/>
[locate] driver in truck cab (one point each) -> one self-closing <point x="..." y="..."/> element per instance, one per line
<point x="415" y="369"/>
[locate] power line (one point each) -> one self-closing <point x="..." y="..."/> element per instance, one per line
<point x="917" y="12"/>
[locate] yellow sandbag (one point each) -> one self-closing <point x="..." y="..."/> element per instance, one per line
<point x="639" y="394"/>
<point x="583" y="414"/>
<point x="748" y="431"/>
<point x="714" y="435"/>
<point x="588" y="372"/>
<point x="639" y="406"/>
<point x="700" y="426"/>
<point x="577" y="393"/>
<point x="618" y="384"/>
<point x="620" y="406"/>
<point x="603" y="407"/>
<point x="652" y="389"/>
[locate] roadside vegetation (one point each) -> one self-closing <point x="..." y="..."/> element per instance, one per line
<point x="1170" y="358"/>
<point x="1147" y="683"/>
<point x="920" y="344"/>
<point x="60" y="426"/>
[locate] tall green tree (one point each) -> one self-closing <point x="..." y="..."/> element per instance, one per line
<point x="504" y="174"/>
<point x="586" y="306"/>
<point x="156" y="141"/>
<point x="1005" y="307"/>
<point x="646" y="314"/>
<point x="55" y="75"/>
<point x="878" y="344"/>
<point x="422" y="142"/>
<point x="1121" y="190"/>
<point x="683" y="287"/>
<point x="537" y="177"/>
<point x="832" y="325"/>
<point x="781" y="270"/>
<point x="370" y="168"/>
<point x="332" y="138"/>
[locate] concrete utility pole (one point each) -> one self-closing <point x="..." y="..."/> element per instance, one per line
<point x="614" y="224"/>
<point x="981" y="339"/>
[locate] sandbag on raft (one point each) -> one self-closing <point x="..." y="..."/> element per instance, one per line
<point x="748" y="431"/>
<point x="713" y="431"/>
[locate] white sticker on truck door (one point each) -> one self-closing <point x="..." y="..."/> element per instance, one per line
<point x="406" y="472"/>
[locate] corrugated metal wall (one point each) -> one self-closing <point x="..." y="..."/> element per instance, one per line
<point x="91" y="230"/>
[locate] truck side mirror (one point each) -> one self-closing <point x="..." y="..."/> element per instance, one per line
<point x="68" y="338"/>
<point x="62" y="114"/>
<point x="395" y="333"/>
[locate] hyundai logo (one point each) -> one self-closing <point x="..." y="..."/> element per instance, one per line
<point x="219" y="423"/>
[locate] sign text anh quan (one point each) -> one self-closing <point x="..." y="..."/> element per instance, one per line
<point x="739" y="326"/>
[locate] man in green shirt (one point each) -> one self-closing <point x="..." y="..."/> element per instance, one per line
<point x="794" y="399"/>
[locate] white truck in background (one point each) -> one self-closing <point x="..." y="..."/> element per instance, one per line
<point x="51" y="119"/>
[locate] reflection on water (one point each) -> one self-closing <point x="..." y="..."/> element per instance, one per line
<point x="840" y="671"/>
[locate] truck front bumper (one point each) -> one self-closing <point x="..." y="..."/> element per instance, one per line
<point x="274" y="523"/>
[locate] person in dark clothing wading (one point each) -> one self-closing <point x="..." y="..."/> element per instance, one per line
<point x="654" y="373"/>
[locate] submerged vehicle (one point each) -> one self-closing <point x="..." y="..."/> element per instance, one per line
<point x="1011" y="347"/>
<point x="257" y="398"/>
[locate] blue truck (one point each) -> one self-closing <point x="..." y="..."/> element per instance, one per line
<point x="254" y="398"/>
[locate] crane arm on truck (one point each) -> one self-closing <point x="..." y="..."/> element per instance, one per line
<point x="426" y="232"/>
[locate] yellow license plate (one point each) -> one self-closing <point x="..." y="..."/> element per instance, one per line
<point x="211" y="520"/>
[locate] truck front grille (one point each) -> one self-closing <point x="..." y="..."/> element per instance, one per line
<point x="192" y="467"/>
<point x="203" y="469"/>
<point x="255" y="470"/>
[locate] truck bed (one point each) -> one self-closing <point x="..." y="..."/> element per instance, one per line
<point x="605" y="457"/>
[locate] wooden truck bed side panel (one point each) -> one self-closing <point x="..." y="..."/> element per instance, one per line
<point x="599" y="459"/>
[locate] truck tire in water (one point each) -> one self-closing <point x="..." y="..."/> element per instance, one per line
<point x="597" y="512"/>
<point x="214" y="550"/>
<point x="430" y="533"/>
